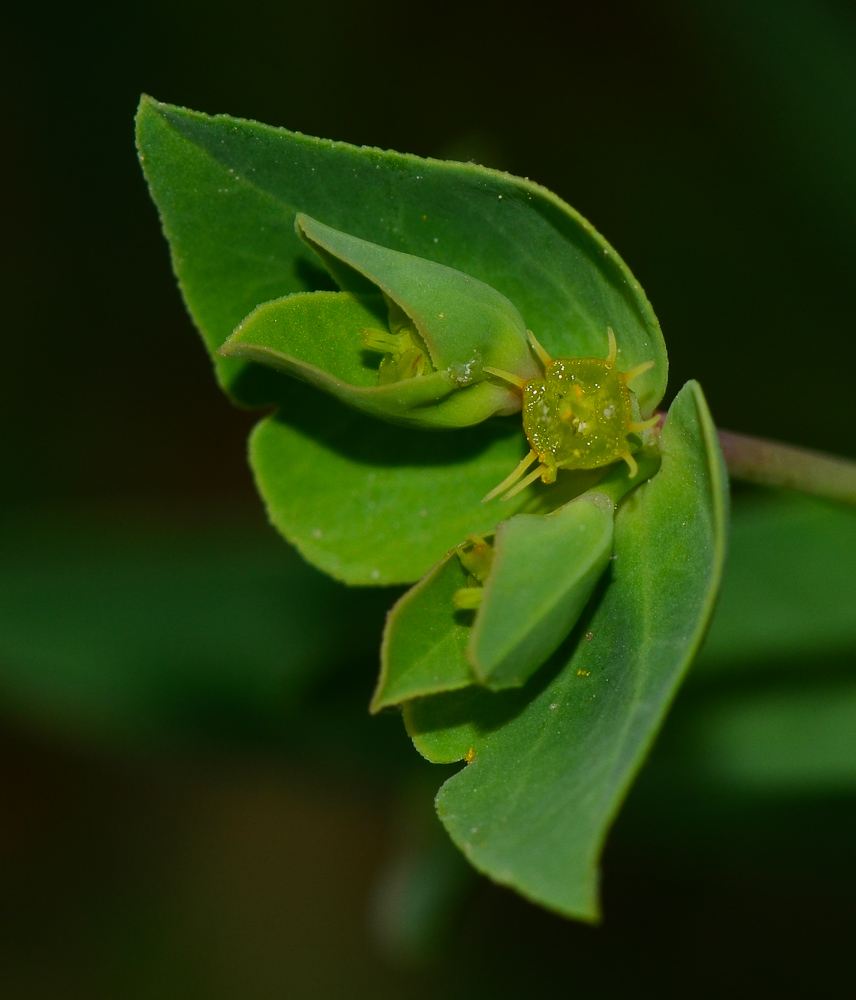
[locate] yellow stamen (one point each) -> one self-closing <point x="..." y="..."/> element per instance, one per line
<point x="638" y="370"/>
<point x="381" y="341"/>
<point x="468" y="598"/>
<point x="513" y="477"/>
<point x="513" y="379"/>
<point x="543" y="356"/>
<point x="525" y="482"/>
<point x="613" y="346"/>
<point x="631" y="463"/>
<point x="644" y="425"/>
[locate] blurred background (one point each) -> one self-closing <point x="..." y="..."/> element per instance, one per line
<point x="193" y="799"/>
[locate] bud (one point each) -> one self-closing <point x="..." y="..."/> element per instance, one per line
<point x="406" y="340"/>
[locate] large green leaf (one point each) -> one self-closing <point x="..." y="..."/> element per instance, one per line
<point x="344" y="491"/>
<point x="552" y="762"/>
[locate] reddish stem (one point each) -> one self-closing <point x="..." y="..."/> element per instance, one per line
<point x="769" y="463"/>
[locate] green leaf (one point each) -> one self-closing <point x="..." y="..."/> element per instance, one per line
<point x="543" y="572"/>
<point x="463" y="321"/>
<point x="372" y="503"/>
<point x="312" y="335"/>
<point x="545" y="569"/>
<point x="425" y="639"/>
<point x="229" y="191"/>
<point x="552" y="762"/>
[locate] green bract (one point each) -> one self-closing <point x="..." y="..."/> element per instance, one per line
<point x="547" y="633"/>
<point x="552" y="761"/>
<point x="365" y="501"/>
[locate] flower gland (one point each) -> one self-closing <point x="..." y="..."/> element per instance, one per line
<point x="476" y="555"/>
<point x="402" y="358"/>
<point x="577" y="416"/>
<point x="404" y="353"/>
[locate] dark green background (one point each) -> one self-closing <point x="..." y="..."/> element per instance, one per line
<point x="198" y="851"/>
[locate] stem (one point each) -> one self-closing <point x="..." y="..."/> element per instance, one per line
<point x="755" y="460"/>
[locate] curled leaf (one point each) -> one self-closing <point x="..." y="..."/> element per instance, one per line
<point x="463" y="322"/>
<point x="422" y="363"/>
<point x="316" y="336"/>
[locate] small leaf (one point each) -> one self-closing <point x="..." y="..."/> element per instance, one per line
<point x="551" y="762"/>
<point x="544" y="572"/>
<point x="545" y="569"/>
<point x="425" y="639"/>
<point x="313" y="335"/>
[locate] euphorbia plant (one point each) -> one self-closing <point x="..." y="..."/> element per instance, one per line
<point x="462" y="380"/>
